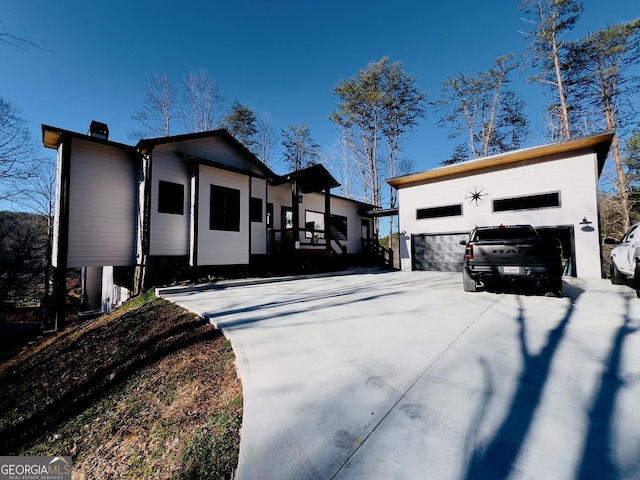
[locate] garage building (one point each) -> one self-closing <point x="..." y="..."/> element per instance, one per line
<point x="553" y="187"/>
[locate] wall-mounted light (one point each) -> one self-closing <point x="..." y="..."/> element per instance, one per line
<point x="299" y="198"/>
<point x="585" y="221"/>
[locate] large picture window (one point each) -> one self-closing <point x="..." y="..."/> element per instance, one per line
<point x="529" y="202"/>
<point x="224" y="213"/>
<point x="170" y="198"/>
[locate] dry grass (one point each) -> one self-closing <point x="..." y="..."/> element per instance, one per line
<point x="150" y="391"/>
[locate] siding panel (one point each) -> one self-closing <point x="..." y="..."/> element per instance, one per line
<point x="103" y="205"/>
<point x="217" y="247"/>
<point x="169" y="232"/>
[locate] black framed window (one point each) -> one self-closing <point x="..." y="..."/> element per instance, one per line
<point x="338" y="227"/>
<point x="255" y="209"/>
<point x="170" y="198"/>
<point x="529" y="202"/>
<point x="224" y="209"/>
<point x="439" y="212"/>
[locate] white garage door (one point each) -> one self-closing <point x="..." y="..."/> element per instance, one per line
<point x="438" y="252"/>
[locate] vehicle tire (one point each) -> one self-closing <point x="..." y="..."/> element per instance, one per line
<point x="616" y="277"/>
<point x="552" y="286"/>
<point x="636" y="279"/>
<point x="468" y="282"/>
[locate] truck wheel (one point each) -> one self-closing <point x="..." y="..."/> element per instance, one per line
<point x="468" y="282"/>
<point x="636" y="279"/>
<point x="616" y="277"/>
<point x="552" y="286"/>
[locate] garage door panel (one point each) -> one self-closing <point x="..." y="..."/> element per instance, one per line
<point x="438" y="252"/>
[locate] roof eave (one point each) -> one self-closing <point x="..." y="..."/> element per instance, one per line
<point x="599" y="142"/>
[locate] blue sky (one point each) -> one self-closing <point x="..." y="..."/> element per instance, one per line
<point x="281" y="57"/>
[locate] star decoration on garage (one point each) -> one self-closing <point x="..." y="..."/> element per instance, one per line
<point x="476" y="196"/>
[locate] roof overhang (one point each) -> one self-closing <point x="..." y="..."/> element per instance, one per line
<point x="600" y="143"/>
<point x="52" y="137"/>
<point x="311" y="179"/>
<point x="381" y="212"/>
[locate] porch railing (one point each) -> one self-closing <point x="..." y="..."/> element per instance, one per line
<point x="310" y="240"/>
<point x="383" y="257"/>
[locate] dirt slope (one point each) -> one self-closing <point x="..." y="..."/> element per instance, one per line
<point x="149" y="391"/>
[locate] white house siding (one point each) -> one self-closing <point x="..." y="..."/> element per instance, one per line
<point x="216" y="247"/>
<point x="575" y="177"/>
<point x="259" y="229"/>
<point x="103" y="205"/>
<point x="169" y="232"/>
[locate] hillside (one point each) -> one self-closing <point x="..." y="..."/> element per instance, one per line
<point x="149" y="391"/>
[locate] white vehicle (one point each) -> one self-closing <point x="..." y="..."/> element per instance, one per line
<point x="625" y="258"/>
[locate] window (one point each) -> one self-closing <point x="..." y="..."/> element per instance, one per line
<point x="255" y="209"/>
<point x="170" y="198"/>
<point x="338" y="227"/>
<point x="314" y="225"/>
<point x="269" y="215"/>
<point x="224" y="213"/>
<point x="544" y="200"/>
<point x="438" y="212"/>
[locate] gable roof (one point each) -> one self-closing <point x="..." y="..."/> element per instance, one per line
<point x="600" y="143"/>
<point x="311" y="179"/>
<point x="146" y="145"/>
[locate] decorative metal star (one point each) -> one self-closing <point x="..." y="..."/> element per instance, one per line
<point x="476" y="195"/>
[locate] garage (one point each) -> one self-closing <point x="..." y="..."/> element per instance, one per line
<point x="438" y="252"/>
<point x="552" y="187"/>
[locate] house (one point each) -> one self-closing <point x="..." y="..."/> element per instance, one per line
<point x="188" y="206"/>
<point x="552" y="187"/>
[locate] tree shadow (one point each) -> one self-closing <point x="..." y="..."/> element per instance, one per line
<point x="598" y="460"/>
<point x="497" y="460"/>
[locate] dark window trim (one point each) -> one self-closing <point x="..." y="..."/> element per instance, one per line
<point x="255" y="210"/>
<point x="528" y="202"/>
<point x="168" y="194"/>
<point x="224" y="210"/>
<point x="454" y="210"/>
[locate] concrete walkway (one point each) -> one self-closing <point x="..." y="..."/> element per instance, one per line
<point x="402" y="375"/>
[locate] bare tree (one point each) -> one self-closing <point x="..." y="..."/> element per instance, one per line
<point x="551" y="19"/>
<point x="602" y="82"/>
<point x="482" y="108"/>
<point x="266" y="142"/>
<point x="300" y="149"/>
<point x="16" y="148"/>
<point x="160" y="105"/>
<point x="201" y="105"/>
<point x="15" y="41"/>
<point x="341" y="162"/>
<point x="38" y="194"/>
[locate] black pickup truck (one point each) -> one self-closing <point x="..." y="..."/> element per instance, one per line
<point x="514" y="253"/>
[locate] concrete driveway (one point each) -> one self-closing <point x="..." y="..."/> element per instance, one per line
<point x="402" y="375"/>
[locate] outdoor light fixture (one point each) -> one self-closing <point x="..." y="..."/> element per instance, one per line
<point x="299" y="198"/>
<point x="585" y="221"/>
